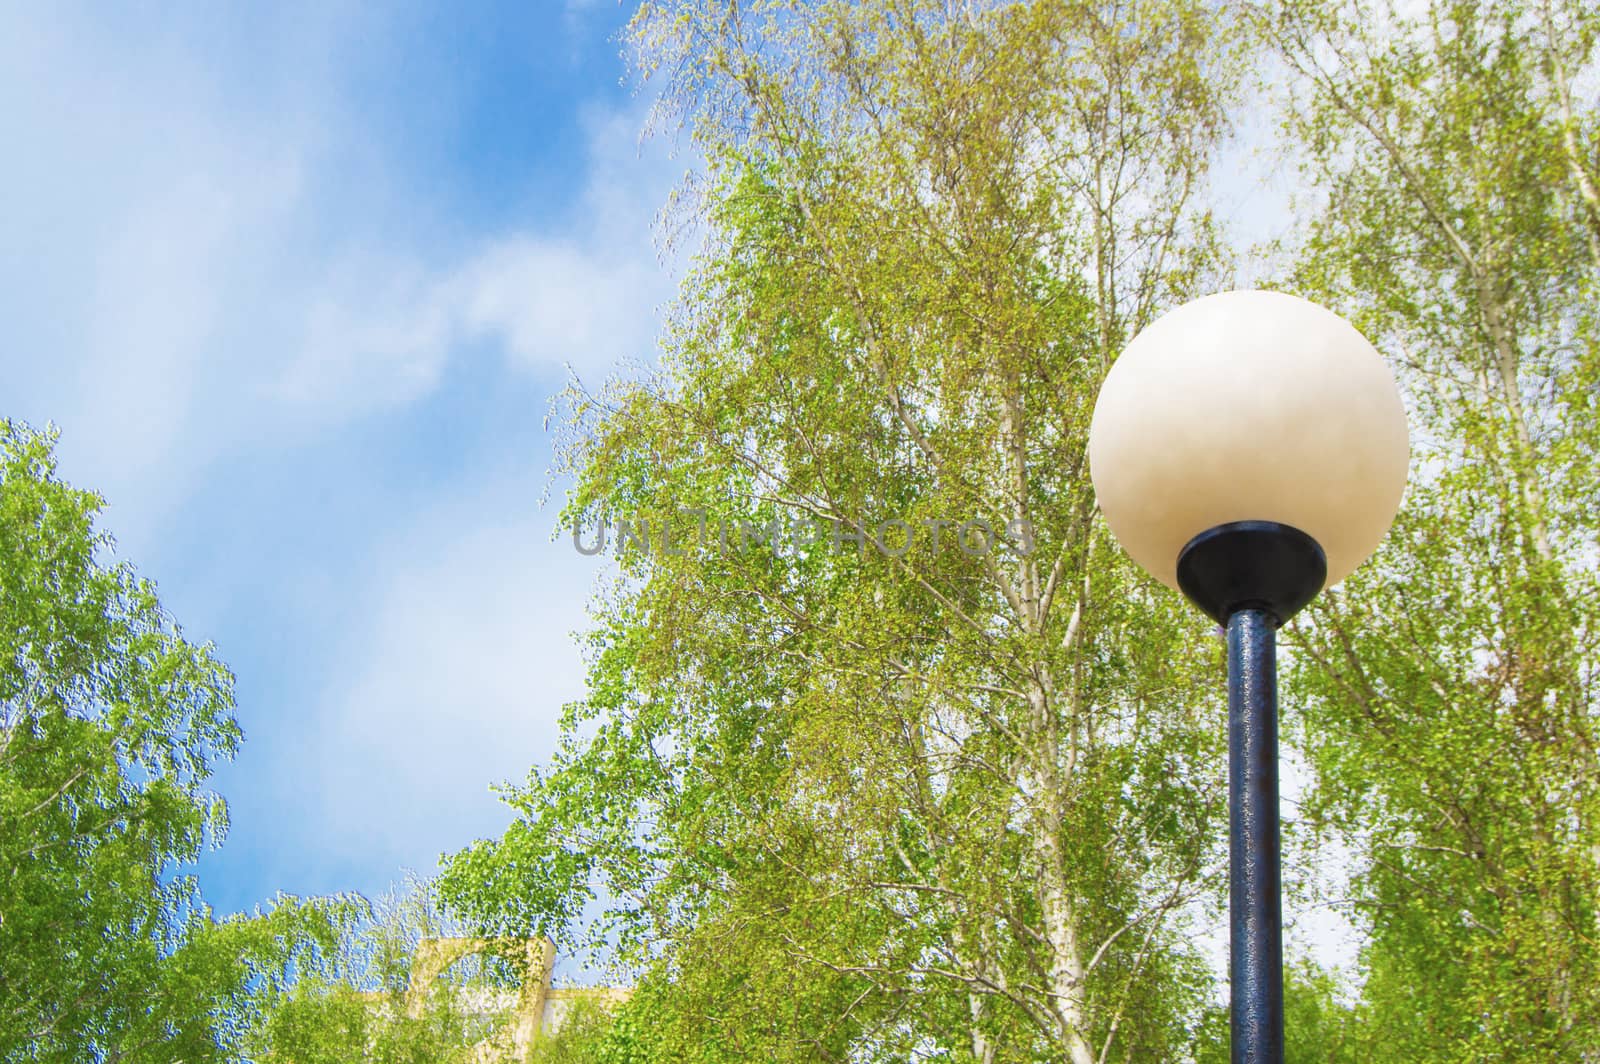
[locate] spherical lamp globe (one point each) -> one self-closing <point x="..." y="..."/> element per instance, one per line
<point x="1249" y="406"/>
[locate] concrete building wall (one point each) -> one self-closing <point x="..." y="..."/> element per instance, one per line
<point x="536" y="1008"/>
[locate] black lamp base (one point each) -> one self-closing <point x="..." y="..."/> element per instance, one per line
<point x="1252" y="565"/>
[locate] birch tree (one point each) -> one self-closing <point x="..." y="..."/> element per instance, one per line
<point x="1450" y="688"/>
<point x="110" y="724"/>
<point x="888" y="751"/>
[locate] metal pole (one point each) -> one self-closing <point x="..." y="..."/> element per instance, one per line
<point x="1255" y="906"/>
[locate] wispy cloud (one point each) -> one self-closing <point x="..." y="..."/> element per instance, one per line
<point x="135" y="214"/>
<point x="581" y="294"/>
<point x="229" y="270"/>
<point x="457" y="682"/>
<point x="198" y="258"/>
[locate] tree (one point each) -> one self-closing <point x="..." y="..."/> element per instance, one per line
<point x="1319" y="1026"/>
<point x="889" y="751"/>
<point x="357" y="1002"/>
<point x="1450" y="695"/>
<point x="593" y="1033"/>
<point x="110" y="723"/>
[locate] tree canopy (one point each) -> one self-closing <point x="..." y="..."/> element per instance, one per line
<point x="1448" y="692"/>
<point x="845" y="795"/>
<point x="899" y="753"/>
<point x="110" y="725"/>
<point x="888" y="752"/>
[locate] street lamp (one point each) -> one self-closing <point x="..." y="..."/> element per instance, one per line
<point x="1247" y="449"/>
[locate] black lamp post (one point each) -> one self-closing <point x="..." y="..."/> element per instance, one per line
<point x="1248" y="448"/>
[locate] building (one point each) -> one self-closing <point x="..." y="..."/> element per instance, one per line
<point x="534" y="1009"/>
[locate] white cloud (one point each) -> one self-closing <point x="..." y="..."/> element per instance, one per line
<point x="376" y="333"/>
<point x="202" y="255"/>
<point x="584" y="294"/>
<point x="133" y="212"/>
<point x="213" y="260"/>
<point x="552" y="303"/>
<point x="457" y="683"/>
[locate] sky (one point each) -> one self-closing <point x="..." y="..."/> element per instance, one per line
<point x="296" y="285"/>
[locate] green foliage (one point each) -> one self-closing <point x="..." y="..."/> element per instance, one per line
<point x="874" y="805"/>
<point x="592" y="1033"/>
<point x="846" y="800"/>
<point x="1449" y="689"/>
<point x="110" y="724"/>
<point x="321" y="1022"/>
<point x="878" y="805"/>
<point x="355" y="1001"/>
<point x="1319" y="1026"/>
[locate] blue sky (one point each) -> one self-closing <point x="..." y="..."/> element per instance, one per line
<point x="296" y="286"/>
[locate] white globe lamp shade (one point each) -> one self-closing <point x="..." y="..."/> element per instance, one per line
<point x="1249" y="406"/>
